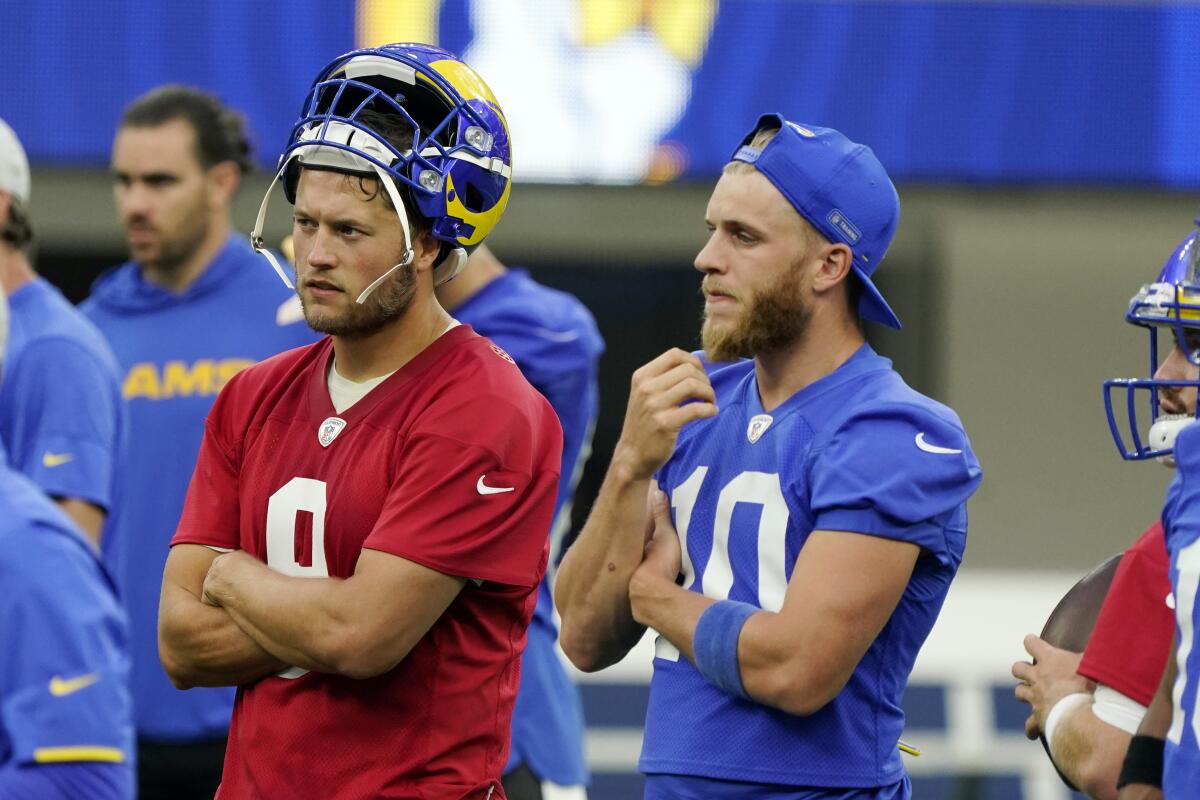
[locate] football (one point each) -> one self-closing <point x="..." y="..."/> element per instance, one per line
<point x="1070" y="623"/>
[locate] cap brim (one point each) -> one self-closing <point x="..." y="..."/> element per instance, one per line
<point x="872" y="306"/>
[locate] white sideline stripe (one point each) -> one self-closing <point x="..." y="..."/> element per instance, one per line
<point x="613" y="749"/>
<point x="617" y="750"/>
<point x="969" y="715"/>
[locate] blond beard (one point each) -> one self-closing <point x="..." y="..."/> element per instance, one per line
<point x="770" y="320"/>
<point x="389" y="302"/>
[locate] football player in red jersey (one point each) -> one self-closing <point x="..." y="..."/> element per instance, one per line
<point x="1090" y="707"/>
<point x="381" y="497"/>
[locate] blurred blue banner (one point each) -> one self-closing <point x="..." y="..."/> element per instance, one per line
<point x="627" y="90"/>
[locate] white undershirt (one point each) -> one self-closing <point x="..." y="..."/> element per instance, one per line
<point x="344" y="392"/>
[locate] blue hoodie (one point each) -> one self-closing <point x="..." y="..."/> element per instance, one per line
<point x="175" y="352"/>
<point x="554" y="340"/>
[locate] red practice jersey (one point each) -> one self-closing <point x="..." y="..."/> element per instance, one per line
<point x="1129" y="645"/>
<point x="452" y="463"/>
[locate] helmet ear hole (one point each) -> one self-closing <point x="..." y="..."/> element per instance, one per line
<point x="473" y="199"/>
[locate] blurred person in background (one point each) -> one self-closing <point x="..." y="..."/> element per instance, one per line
<point x="66" y="731"/>
<point x="191" y="308"/>
<point x="819" y="502"/>
<point x="554" y="340"/>
<point x="1089" y="707"/>
<point x="61" y="413"/>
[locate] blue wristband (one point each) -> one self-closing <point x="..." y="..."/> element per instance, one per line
<point x="715" y="643"/>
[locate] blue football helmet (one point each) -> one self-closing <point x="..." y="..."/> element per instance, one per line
<point x="457" y="174"/>
<point x="1173" y="302"/>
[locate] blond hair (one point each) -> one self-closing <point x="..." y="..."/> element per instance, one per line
<point x="813" y="238"/>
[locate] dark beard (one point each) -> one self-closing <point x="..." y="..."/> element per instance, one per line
<point x="774" y="318"/>
<point x="386" y="304"/>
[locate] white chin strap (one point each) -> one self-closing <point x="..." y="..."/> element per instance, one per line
<point x="339" y="160"/>
<point x="1163" y="432"/>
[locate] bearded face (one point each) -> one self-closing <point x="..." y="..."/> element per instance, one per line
<point x="355" y="321"/>
<point x="766" y="319"/>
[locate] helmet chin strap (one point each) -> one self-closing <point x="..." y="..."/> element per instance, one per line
<point x="256" y="240"/>
<point x="402" y="213"/>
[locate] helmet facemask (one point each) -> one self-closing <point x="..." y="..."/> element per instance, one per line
<point x="1171" y="303"/>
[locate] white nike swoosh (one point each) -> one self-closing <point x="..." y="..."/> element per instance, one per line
<point x="483" y="488"/>
<point x="933" y="448"/>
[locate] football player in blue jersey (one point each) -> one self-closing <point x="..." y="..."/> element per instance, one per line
<point x="191" y="308"/>
<point x="807" y="509"/>
<point x="1163" y="759"/>
<point x="61" y="413"/>
<point x="66" y="730"/>
<point x="554" y="340"/>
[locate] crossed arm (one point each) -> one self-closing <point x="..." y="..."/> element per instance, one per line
<point x="592" y="588"/>
<point x="843" y="590"/>
<point x="229" y="619"/>
<point x="619" y="576"/>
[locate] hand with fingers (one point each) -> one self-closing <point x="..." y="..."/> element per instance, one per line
<point x="1049" y="677"/>
<point x="663" y="556"/>
<point x="665" y="394"/>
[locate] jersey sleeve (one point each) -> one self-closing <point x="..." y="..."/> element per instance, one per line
<point x="1134" y="627"/>
<point x="897" y="471"/>
<point x="95" y="780"/>
<point x="64" y="672"/>
<point x="66" y="429"/>
<point x="211" y="509"/>
<point x="474" y="494"/>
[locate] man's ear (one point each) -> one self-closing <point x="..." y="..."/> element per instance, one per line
<point x="5" y="208"/>
<point x="224" y="179"/>
<point x="426" y="249"/>
<point x="836" y="259"/>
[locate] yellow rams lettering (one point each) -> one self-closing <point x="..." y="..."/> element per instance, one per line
<point x="180" y="380"/>
<point x="203" y="377"/>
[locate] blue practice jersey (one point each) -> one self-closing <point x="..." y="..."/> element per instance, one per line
<point x="60" y="401"/>
<point x="1181" y="524"/>
<point x="554" y="340"/>
<point x="175" y="352"/>
<point x="64" y="667"/>
<point x="857" y="451"/>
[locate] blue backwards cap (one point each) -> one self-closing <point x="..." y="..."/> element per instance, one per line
<point x="840" y="187"/>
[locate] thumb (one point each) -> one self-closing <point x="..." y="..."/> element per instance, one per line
<point x="1035" y="645"/>
<point x="661" y="508"/>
